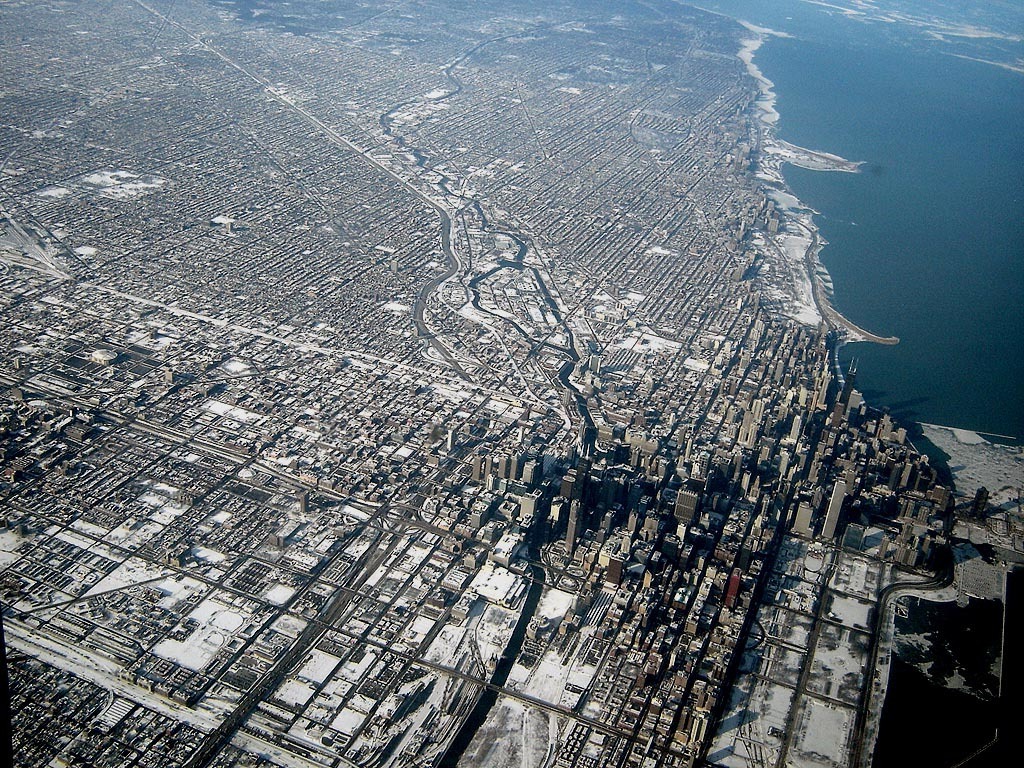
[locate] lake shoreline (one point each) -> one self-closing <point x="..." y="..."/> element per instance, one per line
<point x="797" y="243"/>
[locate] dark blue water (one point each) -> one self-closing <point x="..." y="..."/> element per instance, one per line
<point x="928" y="243"/>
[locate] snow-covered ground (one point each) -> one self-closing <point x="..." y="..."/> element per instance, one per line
<point x="554" y="603"/>
<point x="850" y="611"/>
<point x="10" y="542"/>
<point x="976" y="462"/>
<point x="822" y="732"/>
<point x="648" y="342"/>
<point x="131" y="571"/>
<point x="498" y="584"/>
<point x="761" y="704"/>
<point x="233" y="412"/>
<point x="513" y="734"/>
<point x="279" y="594"/>
<point x="122" y="185"/>
<point x="493" y="632"/>
<point x="217" y="624"/>
<point x="236" y="366"/>
<point x="318" y="666"/>
<point x="54" y="191"/>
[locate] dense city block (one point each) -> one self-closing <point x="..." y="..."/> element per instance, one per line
<point x="427" y="384"/>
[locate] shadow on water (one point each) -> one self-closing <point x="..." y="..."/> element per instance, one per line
<point x="905" y="412"/>
<point x="908" y="405"/>
<point x="942" y="703"/>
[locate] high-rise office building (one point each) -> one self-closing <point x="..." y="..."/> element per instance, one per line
<point x="835" y="506"/>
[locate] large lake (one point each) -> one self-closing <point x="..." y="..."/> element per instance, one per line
<point x="928" y="242"/>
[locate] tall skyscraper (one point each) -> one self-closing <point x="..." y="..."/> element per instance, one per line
<point x="803" y="526"/>
<point x="835" y="506"/>
<point x="686" y="506"/>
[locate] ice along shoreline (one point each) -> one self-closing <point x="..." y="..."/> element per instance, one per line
<point x="795" y="246"/>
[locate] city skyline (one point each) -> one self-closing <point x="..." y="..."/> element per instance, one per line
<point x="438" y="384"/>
